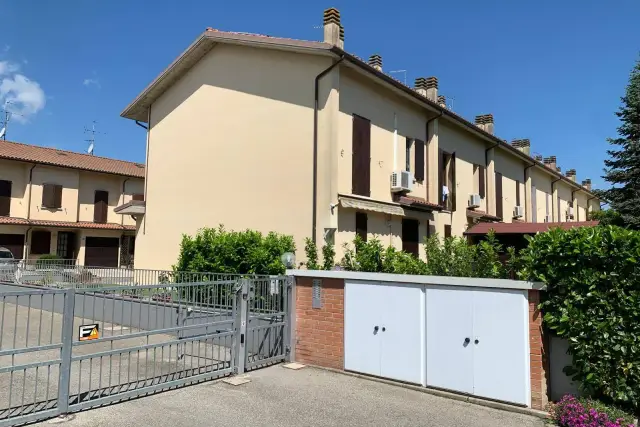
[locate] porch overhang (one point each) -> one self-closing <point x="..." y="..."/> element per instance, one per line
<point x="134" y="208"/>
<point x="367" y="204"/>
<point x="417" y="204"/>
<point x="482" y="216"/>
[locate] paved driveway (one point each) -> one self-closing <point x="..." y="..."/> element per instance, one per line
<point x="308" y="397"/>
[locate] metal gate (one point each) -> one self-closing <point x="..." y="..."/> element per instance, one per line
<point x="65" y="350"/>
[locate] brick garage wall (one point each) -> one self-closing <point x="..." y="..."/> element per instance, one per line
<point x="539" y="362"/>
<point x="319" y="338"/>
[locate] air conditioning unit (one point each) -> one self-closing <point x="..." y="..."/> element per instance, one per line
<point x="518" y="212"/>
<point x="474" y="200"/>
<point x="401" y="181"/>
<point x="570" y="212"/>
<point x="547" y="218"/>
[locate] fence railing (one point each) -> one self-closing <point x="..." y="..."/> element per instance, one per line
<point x="70" y="274"/>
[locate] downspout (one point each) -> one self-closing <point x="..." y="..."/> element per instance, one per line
<point x="30" y="185"/>
<point x="486" y="155"/>
<point x="531" y="196"/>
<point x="553" y="202"/>
<point x="314" y="214"/>
<point x="141" y="125"/>
<point x="122" y="216"/>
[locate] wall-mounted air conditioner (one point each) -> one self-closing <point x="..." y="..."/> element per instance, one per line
<point x="570" y="212"/>
<point x="474" y="200"/>
<point x="401" y="181"/>
<point x="518" y="212"/>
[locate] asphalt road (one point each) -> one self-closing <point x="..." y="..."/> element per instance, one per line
<point x="278" y="397"/>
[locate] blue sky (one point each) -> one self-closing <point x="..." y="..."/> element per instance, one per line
<point x="550" y="71"/>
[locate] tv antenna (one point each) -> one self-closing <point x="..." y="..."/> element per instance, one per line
<point x="7" y="114"/>
<point x="92" y="137"/>
<point x="399" y="72"/>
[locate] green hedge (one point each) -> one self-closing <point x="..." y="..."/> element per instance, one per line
<point x="233" y="252"/>
<point x="593" y="300"/>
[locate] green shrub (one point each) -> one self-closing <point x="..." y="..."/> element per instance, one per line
<point x="233" y="252"/>
<point x="573" y="411"/>
<point x="311" y="251"/>
<point x="328" y="257"/>
<point x="49" y="260"/>
<point x="593" y="300"/>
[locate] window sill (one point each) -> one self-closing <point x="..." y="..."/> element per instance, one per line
<point x="51" y="209"/>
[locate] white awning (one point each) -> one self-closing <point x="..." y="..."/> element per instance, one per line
<point x="370" y="205"/>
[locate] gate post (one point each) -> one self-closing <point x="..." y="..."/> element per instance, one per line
<point x="288" y="326"/>
<point x="241" y="334"/>
<point x="66" y="351"/>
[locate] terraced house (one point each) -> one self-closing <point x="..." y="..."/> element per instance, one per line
<point x="304" y="138"/>
<point x="60" y="202"/>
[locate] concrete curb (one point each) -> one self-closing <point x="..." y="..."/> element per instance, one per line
<point x="441" y="393"/>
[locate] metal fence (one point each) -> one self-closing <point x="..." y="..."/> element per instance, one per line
<point x="64" y="350"/>
<point x="57" y="273"/>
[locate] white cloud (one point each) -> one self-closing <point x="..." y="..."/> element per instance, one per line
<point x="91" y="82"/>
<point x="24" y="95"/>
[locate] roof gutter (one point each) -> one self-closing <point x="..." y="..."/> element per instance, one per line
<point x="314" y="213"/>
<point x="30" y="189"/>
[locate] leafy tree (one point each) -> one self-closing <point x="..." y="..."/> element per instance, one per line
<point x="607" y="217"/>
<point x="311" y="251"/>
<point x="623" y="168"/>
<point x="593" y="300"/>
<point x="328" y="257"/>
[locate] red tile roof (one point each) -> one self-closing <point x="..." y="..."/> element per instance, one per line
<point x="417" y="203"/>
<point x="64" y="224"/>
<point x="68" y="159"/>
<point x="525" y="227"/>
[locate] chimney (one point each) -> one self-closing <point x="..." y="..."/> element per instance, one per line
<point x="480" y="121"/>
<point x="554" y="164"/>
<point x="432" y="88"/>
<point x="525" y="146"/>
<point x="587" y="184"/>
<point x="550" y="162"/>
<point x="341" y="43"/>
<point x="488" y="123"/>
<point x="571" y="174"/>
<point x="420" y="86"/>
<point x="376" y="62"/>
<point x="538" y="158"/>
<point x="442" y="101"/>
<point x="332" y="27"/>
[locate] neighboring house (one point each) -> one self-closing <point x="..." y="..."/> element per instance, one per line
<point x="301" y="137"/>
<point x="60" y="202"/>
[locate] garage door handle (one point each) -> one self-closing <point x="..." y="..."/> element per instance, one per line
<point x="467" y="340"/>
<point x="384" y="329"/>
<point x="375" y="329"/>
<point x="477" y="341"/>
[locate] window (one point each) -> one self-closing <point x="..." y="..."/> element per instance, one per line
<point x="40" y="242"/>
<point x="361" y="160"/>
<point x="100" y="206"/>
<point x="410" y="236"/>
<point x="52" y="196"/>
<point x="447" y="181"/>
<point x="498" y="178"/>
<point x="447" y="230"/>
<point x="518" y="193"/>
<point x="419" y="171"/>
<point x="361" y="225"/>
<point x="139" y="197"/>
<point x="5" y="198"/>
<point x="407" y="155"/>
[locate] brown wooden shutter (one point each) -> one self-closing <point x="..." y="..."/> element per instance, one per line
<point x="5" y="198"/>
<point x="57" y="196"/>
<point x="48" y="196"/>
<point x="410" y="236"/>
<point x="138" y="197"/>
<point x="441" y="168"/>
<point x="498" y="178"/>
<point x="447" y="230"/>
<point x="100" y="206"/>
<point x="518" y="193"/>
<point x="419" y="151"/>
<point x="482" y="187"/>
<point x="361" y="225"/>
<point x="361" y="168"/>
<point x="452" y="190"/>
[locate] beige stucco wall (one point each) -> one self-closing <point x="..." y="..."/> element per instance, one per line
<point x="512" y="170"/>
<point x="231" y="143"/>
<point x="113" y="184"/>
<point x="18" y="174"/>
<point x="69" y="179"/>
<point x="469" y="150"/>
<point x="542" y="183"/>
<point x="564" y="199"/>
<point x="379" y="105"/>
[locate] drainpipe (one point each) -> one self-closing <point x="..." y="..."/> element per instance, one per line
<point x="30" y="185"/>
<point x="527" y="202"/>
<point x="27" y="246"/>
<point x="553" y="202"/>
<point x="314" y="214"/>
<point x="122" y="216"/>
<point x="486" y="154"/>
<point x="141" y="125"/>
